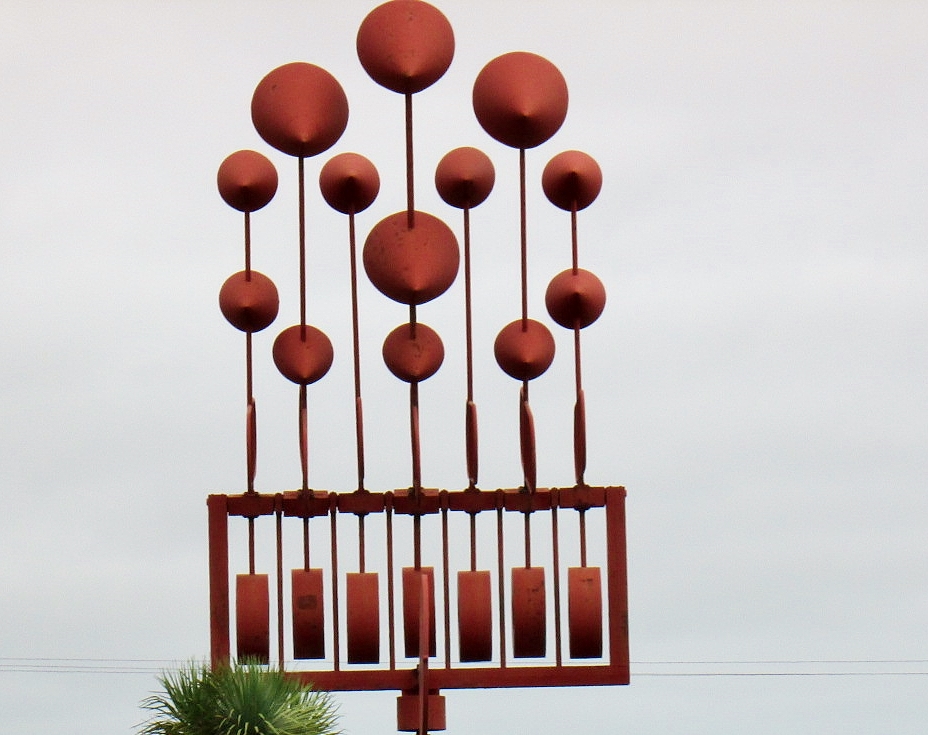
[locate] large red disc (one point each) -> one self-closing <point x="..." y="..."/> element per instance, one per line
<point x="247" y="180"/>
<point x="520" y="99"/>
<point x="249" y="301"/>
<point x="465" y="177"/>
<point x="299" y="109"/>
<point x="303" y="354"/>
<point x="524" y="349"/>
<point x="575" y="298"/>
<point x="405" y="45"/>
<point x="411" y="265"/>
<point x="572" y="180"/>
<point x="349" y="183"/>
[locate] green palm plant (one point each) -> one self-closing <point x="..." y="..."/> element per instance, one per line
<point x="242" y="699"/>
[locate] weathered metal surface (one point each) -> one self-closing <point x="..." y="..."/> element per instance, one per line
<point x="247" y="180"/>
<point x="252" y="617"/>
<point x="299" y="109"/>
<point x="585" y="612"/>
<point x="520" y="99"/>
<point x="363" y="606"/>
<point x="475" y="616"/>
<point x="308" y="613"/>
<point x="405" y="45"/>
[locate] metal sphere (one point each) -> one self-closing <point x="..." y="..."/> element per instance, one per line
<point x="302" y="354"/>
<point x="524" y="349"/>
<point x="249" y="301"/>
<point x="299" y="109"/>
<point x="520" y="99"/>
<point x="247" y="180"/>
<point x="411" y="265"/>
<point x="349" y="183"/>
<point x="572" y="180"/>
<point x="575" y="299"/>
<point x="405" y="45"/>
<point x="413" y="352"/>
<point x="464" y="177"/>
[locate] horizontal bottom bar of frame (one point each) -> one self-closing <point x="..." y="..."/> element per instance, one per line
<point x="476" y="678"/>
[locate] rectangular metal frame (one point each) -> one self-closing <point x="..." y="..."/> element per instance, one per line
<point x="611" y="670"/>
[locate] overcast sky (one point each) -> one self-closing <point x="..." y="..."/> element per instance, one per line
<point x="757" y="381"/>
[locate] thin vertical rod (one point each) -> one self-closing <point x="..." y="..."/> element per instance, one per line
<point x="445" y="578"/>
<point x="417" y="541"/>
<point x="468" y="317"/>
<point x="523" y="236"/>
<point x="306" y="543"/>
<point x="470" y="433"/>
<point x="582" y="537"/>
<point x="555" y="561"/>
<point x="528" y="540"/>
<point x="280" y="590"/>
<point x="410" y="186"/>
<point x="250" y="419"/>
<point x="391" y="632"/>
<point x="247" y="246"/>
<point x="502" y="583"/>
<point x="473" y="542"/>
<point x="333" y="525"/>
<point x="304" y="439"/>
<point x="573" y="237"/>
<point x="302" y="216"/>
<point x="414" y="437"/>
<point x="361" y="543"/>
<point x="251" y="545"/>
<point x="356" y="340"/>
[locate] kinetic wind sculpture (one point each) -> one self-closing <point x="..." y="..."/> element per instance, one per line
<point x="412" y="257"/>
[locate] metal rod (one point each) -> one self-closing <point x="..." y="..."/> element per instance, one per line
<point x="302" y="224"/>
<point x="582" y="512"/>
<point x="218" y="580"/>
<point x="391" y="623"/>
<point x="306" y="543"/>
<point x="251" y="545"/>
<point x="333" y="534"/>
<point x="523" y="227"/>
<point x="410" y="185"/>
<point x="502" y="581"/>
<point x="304" y="439"/>
<point x="446" y="577"/>
<point x="247" y="246"/>
<point x="280" y="589"/>
<point x="555" y="561"/>
<point x="356" y="344"/>
<point x="361" y="542"/>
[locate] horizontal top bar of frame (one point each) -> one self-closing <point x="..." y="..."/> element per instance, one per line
<point x="427" y="501"/>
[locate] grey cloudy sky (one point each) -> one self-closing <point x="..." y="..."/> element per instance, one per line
<point x="757" y="381"/>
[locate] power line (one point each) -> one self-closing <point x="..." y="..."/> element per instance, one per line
<point x="112" y="666"/>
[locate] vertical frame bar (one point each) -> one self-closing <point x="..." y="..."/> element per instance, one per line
<point x="218" y="579"/>
<point x="617" y="579"/>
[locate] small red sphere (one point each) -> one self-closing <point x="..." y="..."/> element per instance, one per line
<point x="413" y="352"/>
<point x="302" y="354"/>
<point x="349" y="183"/>
<point x="299" y="109"/>
<point x="575" y="299"/>
<point x="572" y="180"/>
<point x="405" y="45"/>
<point x="524" y="349"/>
<point x="247" y="180"/>
<point x="465" y="177"/>
<point x="520" y="99"/>
<point x="249" y="301"/>
<point x="411" y="265"/>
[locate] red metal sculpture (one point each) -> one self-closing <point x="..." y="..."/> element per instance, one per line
<point x="496" y="635"/>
